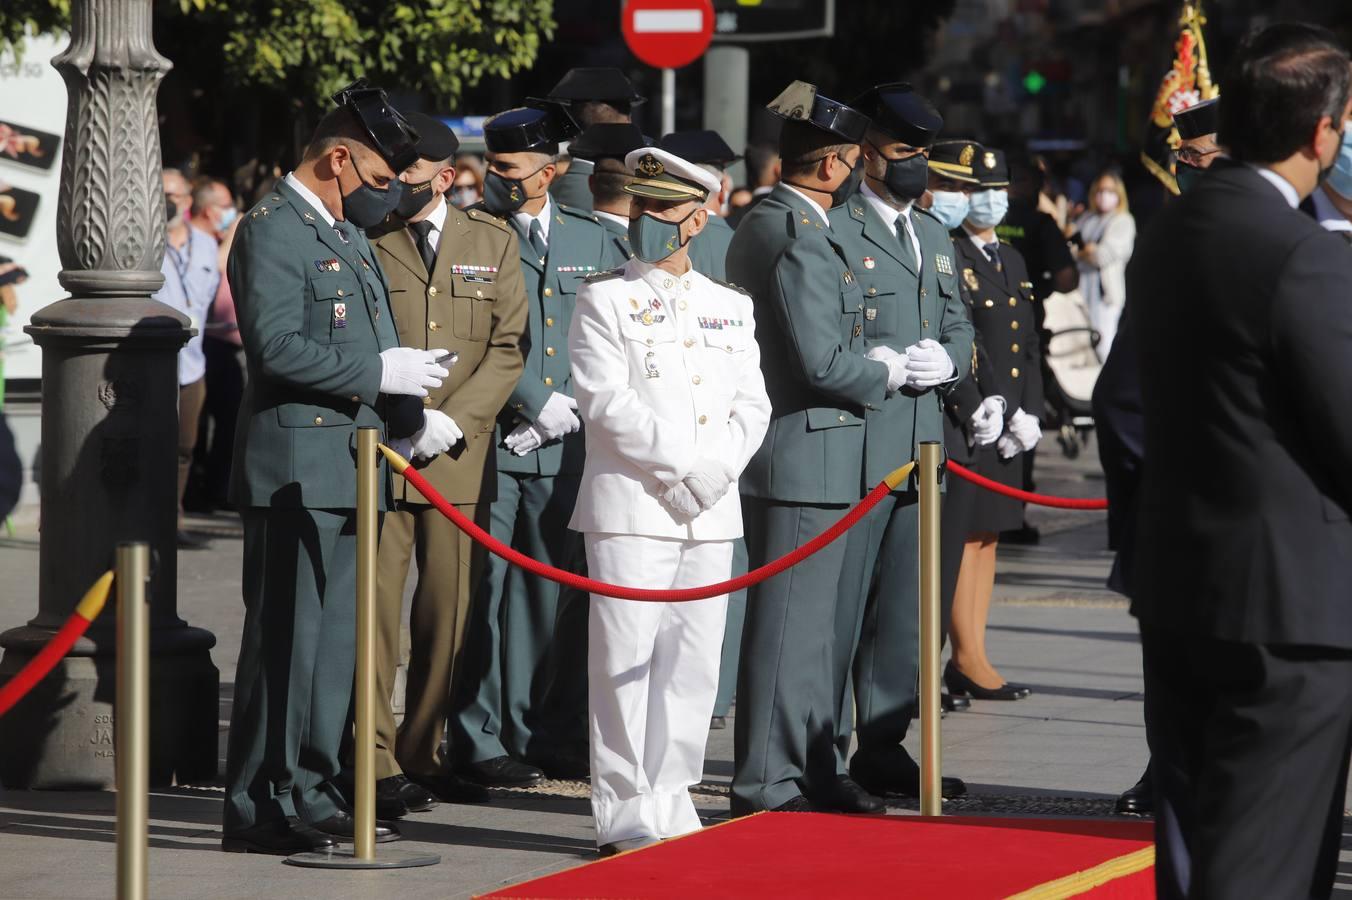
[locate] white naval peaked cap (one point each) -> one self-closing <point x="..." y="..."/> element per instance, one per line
<point x="662" y="175"/>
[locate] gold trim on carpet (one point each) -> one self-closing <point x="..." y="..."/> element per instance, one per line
<point x="1078" y="882"/>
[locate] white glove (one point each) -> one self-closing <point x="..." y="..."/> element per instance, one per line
<point x="438" y="434"/>
<point x="928" y="365"/>
<point x="896" y="365"/>
<point x="988" y="421"/>
<point x="558" y="417"/>
<point x="1009" y="446"/>
<point x="709" y="480"/>
<point x="682" y="501"/>
<point x="1025" y="428"/>
<point x="406" y="370"/>
<point x="524" y="439"/>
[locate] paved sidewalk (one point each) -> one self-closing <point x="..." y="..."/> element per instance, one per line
<point x="1066" y="750"/>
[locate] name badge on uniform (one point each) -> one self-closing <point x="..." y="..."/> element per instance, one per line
<point x="477" y="279"/>
<point x="327" y="265"/>
<point x="339" y="315"/>
<point x="943" y="263"/>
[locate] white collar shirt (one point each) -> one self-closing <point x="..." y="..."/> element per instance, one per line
<point x="437" y="218"/>
<point x="1326" y="214"/>
<point x="890" y="214"/>
<point x="826" y="223"/>
<point x="1288" y="192"/>
<point x="309" y="197"/>
<point x="523" y="220"/>
<point x="622" y="221"/>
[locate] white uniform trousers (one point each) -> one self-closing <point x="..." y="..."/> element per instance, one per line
<point x="653" y="676"/>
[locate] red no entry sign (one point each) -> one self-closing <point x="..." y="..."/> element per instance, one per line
<point x="668" y="34"/>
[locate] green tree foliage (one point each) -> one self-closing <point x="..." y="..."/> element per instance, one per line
<point x="303" y="50"/>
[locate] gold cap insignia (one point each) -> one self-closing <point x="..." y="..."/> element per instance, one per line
<point x="988" y="160"/>
<point x="965" y="157"/>
<point x="650" y="166"/>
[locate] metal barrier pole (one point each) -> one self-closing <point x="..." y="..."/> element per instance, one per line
<point x="132" y="720"/>
<point x="363" y="853"/>
<point x="931" y="799"/>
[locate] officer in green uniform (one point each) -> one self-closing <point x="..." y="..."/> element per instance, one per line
<point x="809" y="470"/>
<point x="593" y="95"/>
<point x="321" y="346"/>
<point x="522" y="695"/>
<point x="606" y="144"/>
<point x="913" y="311"/>
<point x="708" y="255"/>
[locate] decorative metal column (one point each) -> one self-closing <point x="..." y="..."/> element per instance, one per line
<point x="109" y="428"/>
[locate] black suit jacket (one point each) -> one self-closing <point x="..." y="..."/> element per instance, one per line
<point x="1242" y="313"/>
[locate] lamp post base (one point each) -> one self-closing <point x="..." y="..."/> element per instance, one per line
<point x="346" y="858"/>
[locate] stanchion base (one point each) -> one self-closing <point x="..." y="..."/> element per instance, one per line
<point x="345" y="858"/>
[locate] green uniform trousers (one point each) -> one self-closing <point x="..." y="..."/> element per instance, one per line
<point x="449" y="566"/>
<point x="526" y="650"/>
<point x="732" y="635"/>
<point x="293" y="683"/>
<point x="784" y="730"/>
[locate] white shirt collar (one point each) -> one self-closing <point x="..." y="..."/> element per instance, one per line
<point x="1287" y="190"/>
<point x="309" y="197"/>
<point x="663" y="283"/>
<point x="438" y="216"/>
<point x="975" y="239"/>
<point x="1328" y="216"/>
<point x="885" y="210"/>
<point x="523" y="219"/>
<point x="762" y="190"/>
<point x="812" y="203"/>
<point x="622" y="221"/>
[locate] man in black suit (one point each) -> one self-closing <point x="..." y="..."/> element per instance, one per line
<point x="1243" y="543"/>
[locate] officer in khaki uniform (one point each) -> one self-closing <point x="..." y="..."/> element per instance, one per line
<point x="455" y="282"/>
<point x="520" y="709"/>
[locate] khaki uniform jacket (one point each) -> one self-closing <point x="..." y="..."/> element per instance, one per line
<point x="474" y="302"/>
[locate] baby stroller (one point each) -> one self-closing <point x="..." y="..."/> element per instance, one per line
<point x="1070" y="365"/>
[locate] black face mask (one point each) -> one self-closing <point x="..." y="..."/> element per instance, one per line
<point x="847" y="187"/>
<point x="170" y="207"/>
<point x="504" y="196"/>
<point x="906" y="178"/>
<point x="414" y="198"/>
<point x="367" y="207"/>
<point x="1187" y="175"/>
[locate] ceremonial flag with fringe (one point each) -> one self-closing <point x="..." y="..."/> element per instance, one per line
<point x="1187" y="83"/>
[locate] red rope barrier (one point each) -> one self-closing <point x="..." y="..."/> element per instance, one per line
<point x="17" y="687"/>
<point x="1025" y="496"/>
<point x="769" y="570"/>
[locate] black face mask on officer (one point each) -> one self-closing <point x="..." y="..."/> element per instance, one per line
<point x="504" y="196"/>
<point x="905" y="178"/>
<point x="366" y="206"/>
<point x="847" y="187"/>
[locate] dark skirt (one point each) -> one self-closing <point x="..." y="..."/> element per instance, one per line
<point x="988" y="511"/>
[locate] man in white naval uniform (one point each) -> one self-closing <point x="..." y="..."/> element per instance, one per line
<point x="667" y="377"/>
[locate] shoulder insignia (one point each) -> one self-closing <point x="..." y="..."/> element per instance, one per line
<point x="928" y="213"/>
<point x="729" y="285"/>
<point x="604" y="275"/>
<point x="486" y="218"/>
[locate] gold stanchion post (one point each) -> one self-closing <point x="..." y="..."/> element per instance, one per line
<point x="132" y="721"/>
<point x="363" y="853"/>
<point x="931" y="800"/>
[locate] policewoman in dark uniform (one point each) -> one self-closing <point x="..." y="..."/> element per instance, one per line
<point x="1000" y="418"/>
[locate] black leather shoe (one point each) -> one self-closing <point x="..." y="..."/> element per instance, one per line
<point x="341" y="824"/>
<point x="848" y="797"/>
<point x="451" y="788"/>
<point x="1139" y="799"/>
<point x="797" y="804"/>
<point x="500" y="771"/>
<point x="718" y="723"/>
<point x="189" y="541"/>
<point x="962" y="686"/>
<point x="899" y="776"/>
<point x="280" y="837"/>
<point x="565" y="766"/>
<point x="955" y="704"/>
<point x="398" y="791"/>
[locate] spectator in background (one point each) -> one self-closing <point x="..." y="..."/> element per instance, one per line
<point x="1105" y="237"/>
<point x="762" y="171"/>
<point x="740" y="197"/>
<point x="468" y="187"/>
<point x="192" y="273"/>
<point x="214" y="213"/>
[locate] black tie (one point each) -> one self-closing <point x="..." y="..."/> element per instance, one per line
<point x="993" y="253"/>
<point x="422" y="232"/>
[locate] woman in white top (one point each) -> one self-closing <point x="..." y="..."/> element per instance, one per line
<point x="1107" y="234"/>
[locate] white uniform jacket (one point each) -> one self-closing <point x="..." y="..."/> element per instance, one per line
<point x="666" y="371"/>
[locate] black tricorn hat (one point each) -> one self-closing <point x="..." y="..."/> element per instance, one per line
<point x="436" y="140"/>
<point x="392" y="135"/>
<point x="899" y="111"/>
<point x="1199" y="119"/>
<point x="607" y="140"/>
<point x="539" y="123"/>
<point x="800" y="102"/>
<point x="700" y="146"/>
<point x="603" y="83"/>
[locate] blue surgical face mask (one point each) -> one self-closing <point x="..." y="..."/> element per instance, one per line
<point x="653" y="239"/>
<point x="950" y="207"/>
<point x="988" y="208"/>
<point x="1340" y="176"/>
<point x="228" y="216"/>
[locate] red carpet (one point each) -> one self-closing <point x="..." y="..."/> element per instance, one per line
<point x="791" y="855"/>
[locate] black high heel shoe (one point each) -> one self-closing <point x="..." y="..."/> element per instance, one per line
<point x="962" y="686"/>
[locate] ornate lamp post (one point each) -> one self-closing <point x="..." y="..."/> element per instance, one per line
<point x="109" y="427"/>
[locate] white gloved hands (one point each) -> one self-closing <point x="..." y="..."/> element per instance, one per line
<point x="409" y="371"/>
<point x="558" y="417"/>
<point x="1009" y="446"/>
<point x="896" y="365"/>
<point x="682" y="501"/>
<point x="1025" y="429"/>
<point x="928" y="365"/>
<point x="988" y="421"/>
<point x="709" y="480"/>
<point x="524" y="439"/>
<point x="438" y="434"/>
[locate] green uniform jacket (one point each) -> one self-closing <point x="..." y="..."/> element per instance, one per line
<point x="572" y="188"/>
<point x="314" y="316"/>
<point x="578" y="246"/>
<point x="619" y="238"/>
<point x="709" y="249"/>
<point x="901" y="308"/>
<point x="809" y="325"/>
